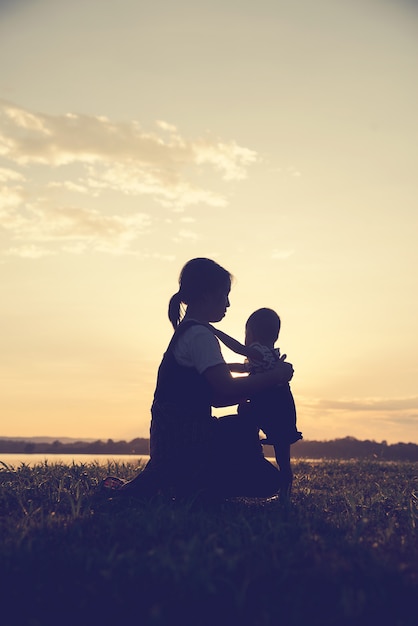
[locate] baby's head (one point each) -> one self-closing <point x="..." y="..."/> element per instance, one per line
<point x="263" y="326"/>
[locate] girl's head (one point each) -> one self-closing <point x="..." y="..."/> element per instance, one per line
<point x="263" y="326"/>
<point x="203" y="284"/>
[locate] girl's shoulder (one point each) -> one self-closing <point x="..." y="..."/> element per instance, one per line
<point x="196" y="333"/>
<point x="191" y="329"/>
<point x="196" y="346"/>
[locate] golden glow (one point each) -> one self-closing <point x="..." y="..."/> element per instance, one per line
<point x="291" y="161"/>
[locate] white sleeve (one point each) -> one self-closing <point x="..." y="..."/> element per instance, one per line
<point x="199" y="348"/>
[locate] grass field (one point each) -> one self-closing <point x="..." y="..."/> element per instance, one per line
<point x="344" y="552"/>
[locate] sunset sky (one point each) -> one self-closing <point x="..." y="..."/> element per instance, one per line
<point x="278" y="138"/>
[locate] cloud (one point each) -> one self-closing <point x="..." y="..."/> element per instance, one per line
<point x="47" y="158"/>
<point x="11" y="191"/>
<point x="127" y="179"/>
<point x="9" y="197"/>
<point x="144" y="161"/>
<point x="186" y="235"/>
<point x="70" y="186"/>
<point x="289" y="171"/>
<point x="368" y="418"/>
<point x="28" y="252"/>
<point x="7" y="175"/>
<point x="370" y="404"/>
<point x="75" y="228"/>
<point x="231" y="159"/>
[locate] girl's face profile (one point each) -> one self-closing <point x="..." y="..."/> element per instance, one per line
<point x="217" y="303"/>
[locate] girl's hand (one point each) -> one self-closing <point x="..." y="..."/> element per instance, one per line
<point x="284" y="370"/>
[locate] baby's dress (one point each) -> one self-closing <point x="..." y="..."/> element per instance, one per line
<point x="270" y="358"/>
<point x="274" y="409"/>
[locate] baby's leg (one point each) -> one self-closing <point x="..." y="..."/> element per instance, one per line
<point x="282" y="452"/>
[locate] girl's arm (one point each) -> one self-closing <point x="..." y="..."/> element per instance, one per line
<point x="227" y="390"/>
<point x="238" y="368"/>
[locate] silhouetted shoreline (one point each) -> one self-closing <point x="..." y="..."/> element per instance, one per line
<point x="345" y="448"/>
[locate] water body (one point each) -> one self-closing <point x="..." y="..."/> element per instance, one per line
<point x="15" y="460"/>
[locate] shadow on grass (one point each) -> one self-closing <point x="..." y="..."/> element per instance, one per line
<point x="328" y="558"/>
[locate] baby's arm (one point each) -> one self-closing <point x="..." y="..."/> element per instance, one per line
<point x="238" y="368"/>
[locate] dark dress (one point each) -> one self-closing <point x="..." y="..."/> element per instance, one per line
<point x="192" y="451"/>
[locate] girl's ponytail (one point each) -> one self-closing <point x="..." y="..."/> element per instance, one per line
<point x="174" y="309"/>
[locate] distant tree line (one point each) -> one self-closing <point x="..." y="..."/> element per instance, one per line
<point x="352" y="448"/>
<point x="346" y="448"/>
<point x="136" y="446"/>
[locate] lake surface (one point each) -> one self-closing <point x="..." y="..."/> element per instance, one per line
<point x="15" y="460"/>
